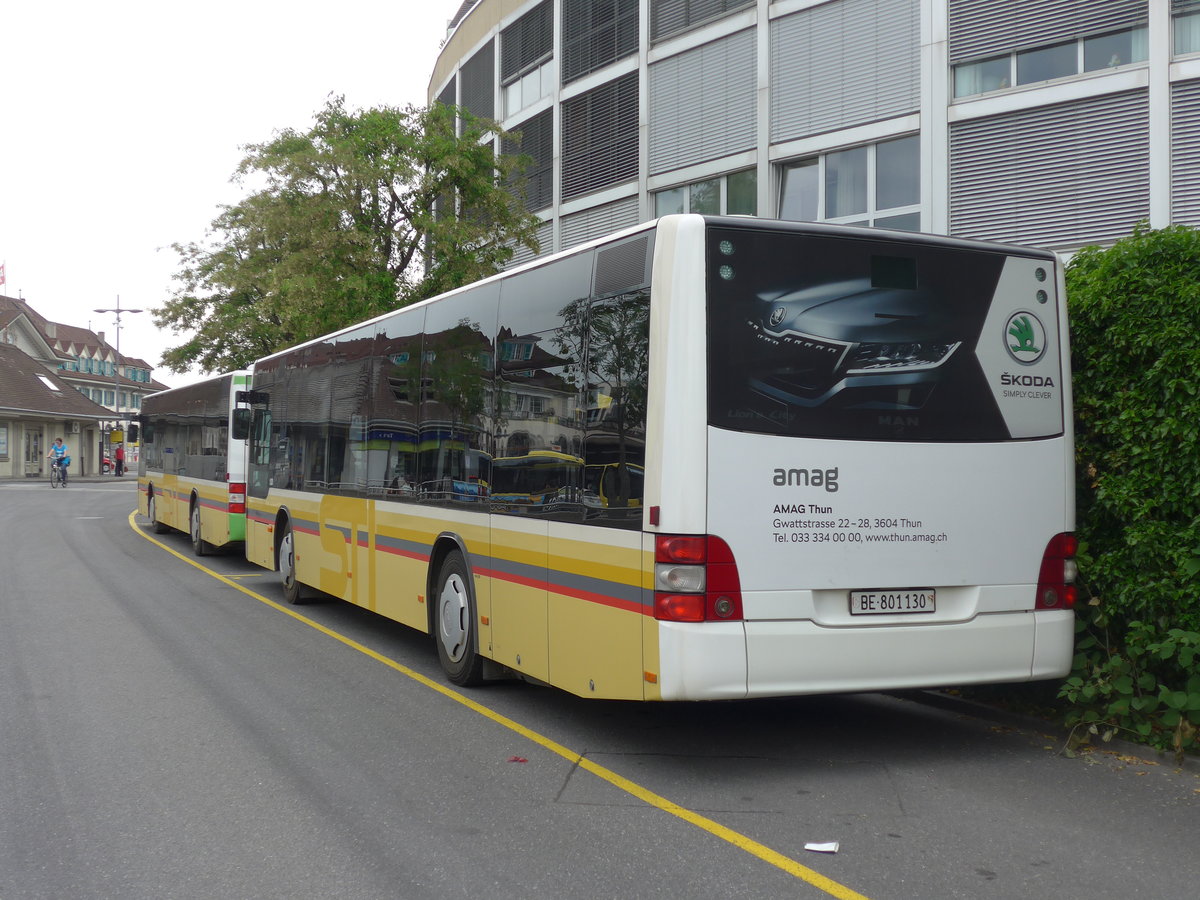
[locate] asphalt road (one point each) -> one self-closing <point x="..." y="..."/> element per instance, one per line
<point x="167" y="733"/>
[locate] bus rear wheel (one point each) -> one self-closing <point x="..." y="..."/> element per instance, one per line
<point x="287" y="566"/>
<point x="454" y="622"/>
<point x="200" y="546"/>
<point x="152" y="513"/>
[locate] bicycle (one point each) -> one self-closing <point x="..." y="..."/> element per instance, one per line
<point x="58" y="475"/>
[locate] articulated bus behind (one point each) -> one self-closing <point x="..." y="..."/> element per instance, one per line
<point x="192" y="470"/>
<point x="712" y="458"/>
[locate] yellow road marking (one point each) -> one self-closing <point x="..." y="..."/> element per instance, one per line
<point x="749" y="845"/>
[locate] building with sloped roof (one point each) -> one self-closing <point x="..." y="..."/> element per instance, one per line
<point x="59" y="380"/>
<point x="37" y="405"/>
<point x="82" y="357"/>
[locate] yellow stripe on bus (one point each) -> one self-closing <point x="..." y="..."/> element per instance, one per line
<point x="716" y="829"/>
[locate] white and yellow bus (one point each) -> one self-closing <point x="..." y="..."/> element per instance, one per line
<point x="825" y="459"/>
<point x="192" y="465"/>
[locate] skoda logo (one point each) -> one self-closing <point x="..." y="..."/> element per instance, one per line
<point x="1025" y="337"/>
<point x="777" y="315"/>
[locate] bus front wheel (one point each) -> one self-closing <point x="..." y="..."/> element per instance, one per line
<point x="287" y="567"/>
<point x="454" y="621"/>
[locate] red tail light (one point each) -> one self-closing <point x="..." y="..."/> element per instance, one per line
<point x="696" y="579"/>
<point x="237" y="497"/>
<point x="1056" y="580"/>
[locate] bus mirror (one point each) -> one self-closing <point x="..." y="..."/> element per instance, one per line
<point x="132" y="435"/>
<point x="241" y="423"/>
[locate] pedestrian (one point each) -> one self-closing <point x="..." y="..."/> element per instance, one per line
<point x="119" y="455"/>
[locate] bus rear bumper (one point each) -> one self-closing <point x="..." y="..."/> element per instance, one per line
<point x="783" y="658"/>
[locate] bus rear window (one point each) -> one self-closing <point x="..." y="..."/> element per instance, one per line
<point x="852" y="338"/>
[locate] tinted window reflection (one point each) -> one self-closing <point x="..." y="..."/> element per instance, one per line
<point x="454" y="447"/>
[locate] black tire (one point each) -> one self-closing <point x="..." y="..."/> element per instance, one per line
<point x="54" y="476"/>
<point x="152" y="514"/>
<point x="200" y="546"/>
<point x="287" y="567"/>
<point x="454" y="623"/>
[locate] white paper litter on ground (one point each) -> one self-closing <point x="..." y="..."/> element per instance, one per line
<point x="826" y="847"/>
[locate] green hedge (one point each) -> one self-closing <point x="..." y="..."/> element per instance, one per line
<point x="1135" y="332"/>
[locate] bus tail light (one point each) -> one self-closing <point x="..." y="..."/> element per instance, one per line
<point x="1056" y="581"/>
<point x="695" y="579"/>
<point x="237" y="497"/>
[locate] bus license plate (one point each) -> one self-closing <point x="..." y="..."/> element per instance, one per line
<point x="906" y="600"/>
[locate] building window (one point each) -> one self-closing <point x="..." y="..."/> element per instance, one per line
<point x="1038" y="64"/>
<point x="1187" y="33"/>
<point x="878" y="184"/>
<point x="734" y="194"/>
<point x="980" y="77"/>
<point x="529" y="88"/>
<point x="846" y="183"/>
<point x="1047" y="63"/>
<point x="1108" y="50"/>
<point x="898" y="173"/>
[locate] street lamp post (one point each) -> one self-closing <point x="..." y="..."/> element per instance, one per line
<point x="117" y="368"/>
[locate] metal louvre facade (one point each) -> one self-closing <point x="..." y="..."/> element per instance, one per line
<point x="599" y="221"/>
<point x="522" y="254"/>
<point x="669" y="18"/>
<point x="596" y="33"/>
<point x="985" y="27"/>
<point x="846" y="63"/>
<point x="1052" y="122"/>
<point x="1185" y="153"/>
<point x="600" y="137"/>
<point x="537" y="143"/>
<point x="478" y="83"/>
<point x="691" y="91"/>
<point x="527" y="41"/>
<point x="1071" y="173"/>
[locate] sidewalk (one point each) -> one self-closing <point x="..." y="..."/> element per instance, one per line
<point x="72" y="478"/>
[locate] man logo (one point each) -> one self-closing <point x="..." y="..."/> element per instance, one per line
<point x="1025" y="338"/>
<point x="777" y="315"/>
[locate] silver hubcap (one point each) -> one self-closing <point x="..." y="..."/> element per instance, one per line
<point x="195" y="524"/>
<point x="152" y="510"/>
<point x="287" y="562"/>
<point x="453" y="610"/>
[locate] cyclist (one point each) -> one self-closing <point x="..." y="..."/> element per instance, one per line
<point x="61" y="456"/>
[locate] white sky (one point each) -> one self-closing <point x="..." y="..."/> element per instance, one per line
<point x="121" y="123"/>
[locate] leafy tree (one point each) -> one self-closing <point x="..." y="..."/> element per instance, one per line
<point x="343" y="226"/>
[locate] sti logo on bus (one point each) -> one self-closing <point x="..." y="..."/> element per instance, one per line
<point x="1025" y="337"/>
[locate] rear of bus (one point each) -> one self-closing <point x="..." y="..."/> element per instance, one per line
<point x="887" y="462"/>
<point x="192" y="471"/>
